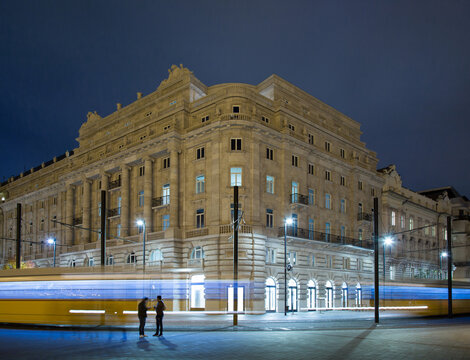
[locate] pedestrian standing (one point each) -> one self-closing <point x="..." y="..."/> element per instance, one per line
<point x="142" y="313"/>
<point x="159" y="310"/>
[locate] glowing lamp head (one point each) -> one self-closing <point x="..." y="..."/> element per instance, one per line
<point x="444" y="254"/>
<point x="388" y="240"/>
<point x="289" y="221"/>
<point x="51" y="241"/>
<point x="140" y="222"/>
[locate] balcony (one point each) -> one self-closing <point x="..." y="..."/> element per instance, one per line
<point x="197" y="232"/>
<point x="298" y="199"/>
<point x="195" y="263"/>
<point x="364" y="216"/>
<point x="77" y="221"/>
<point x="324" y="237"/>
<point x="114" y="212"/>
<point x="235" y="116"/>
<point x="114" y="184"/>
<point x="161" y="201"/>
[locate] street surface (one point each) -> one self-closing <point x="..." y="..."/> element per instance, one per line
<point x="396" y="337"/>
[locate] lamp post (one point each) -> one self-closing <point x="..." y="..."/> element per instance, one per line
<point x="388" y="241"/>
<point x="52" y="241"/>
<point x="287" y="221"/>
<point x="441" y="255"/>
<point x="141" y="222"/>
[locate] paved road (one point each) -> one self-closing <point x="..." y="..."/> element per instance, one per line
<point x="426" y="339"/>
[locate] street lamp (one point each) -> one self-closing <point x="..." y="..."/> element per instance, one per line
<point x="52" y="241"/>
<point x="287" y="221"/>
<point x="442" y="255"/>
<point x="141" y="222"/>
<point x="387" y="241"/>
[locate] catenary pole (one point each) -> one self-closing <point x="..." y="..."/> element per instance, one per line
<point x="449" y="265"/>
<point x="103" y="227"/>
<point x="18" y="236"/>
<point x="235" y="255"/>
<point x="376" y="259"/>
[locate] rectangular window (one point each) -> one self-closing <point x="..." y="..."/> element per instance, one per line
<point x="270" y="256"/>
<point x="119" y="205"/>
<point x="311" y="228"/>
<point x="236" y="144"/>
<point x="265" y="119"/>
<point x="359" y="235"/>
<point x="99" y="209"/>
<point x="118" y="230"/>
<point x="342" y="181"/>
<point x="166" y="194"/>
<point x="411" y="224"/>
<point x="342" y="232"/>
<point x="359" y="185"/>
<point x="311" y="197"/>
<point x="166" y="222"/>
<point x="292" y="257"/>
<point x="236" y="109"/>
<point x="291" y="127"/>
<point x="311" y="169"/>
<point x="166" y="163"/>
<point x="200" y="218"/>
<point x="327" y="201"/>
<point x="342" y="153"/>
<point x="327" y="231"/>
<point x="329" y="261"/>
<point x="327" y="146"/>
<point x="142" y="171"/>
<point x="269" y="218"/>
<point x="200" y="153"/>
<point x="235" y="176"/>
<point x="402" y="221"/>
<point x="295" y="161"/>
<point x="393" y="218"/>
<point x="343" y="206"/>
<point x="426" y="230"/>
<point x="269" y="184"/>
<point x="269" y="154"/>
<point x="141" y="198"/>
<point x="205" y="119"/>
<point x="200" y="184"/>
<point x="311" y="139"/>
<point x="328" y="175"/>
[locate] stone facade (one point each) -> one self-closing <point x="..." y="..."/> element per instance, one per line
<point x="171" y="158"/>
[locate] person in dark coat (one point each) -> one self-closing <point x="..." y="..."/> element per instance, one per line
<point x="142" y="313"/>
<point x="159" y="310"/>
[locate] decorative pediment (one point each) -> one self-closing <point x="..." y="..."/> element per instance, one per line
<point x="175" y="73"/>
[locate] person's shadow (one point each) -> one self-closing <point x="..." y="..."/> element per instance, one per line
<point x="143" y="344"/>
<point x="167" y="343"/>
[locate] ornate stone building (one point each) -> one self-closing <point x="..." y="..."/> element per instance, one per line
<point x="172" y="158"/>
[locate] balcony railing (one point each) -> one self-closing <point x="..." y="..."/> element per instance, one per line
<point x="293" y="231"/>
<point x="161" y="201"/>
<point x="114" y="184"/>
<point x="114" y="212"/>
<point x="77" y="221"/>
<point x="364" y="216"/>
<point x="298" y="199"/>
<point x="235" y="116"/>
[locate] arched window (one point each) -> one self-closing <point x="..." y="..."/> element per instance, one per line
<point x="292" y="295"/>
<point x="344" y="295"/>
<point x="270" y="300"/>
<point x="110" y="260"/>
<point x="312" y="295"/>
<point x="72" y="263"/>
<point x="197" y="299"/>
<point x="329" y="294"/>
<point x="358" y="295"/>
<point x="156" y="256"/>
<point x="131" y="258"/>
<point x="197" y="253"/>
<point x="91" y="262"/>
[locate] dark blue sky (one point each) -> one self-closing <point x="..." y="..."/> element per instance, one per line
<point x="400" y="68"/>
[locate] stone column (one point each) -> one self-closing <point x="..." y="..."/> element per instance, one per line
<point x="86" y="211"/>
<point x="148" y="195"/>
<point x="174" y="188"/>
<point x="69" y="214"/>
<point x="125" y="200"/>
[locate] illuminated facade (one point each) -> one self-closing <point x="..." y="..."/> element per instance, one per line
<point x="171" y="158"/>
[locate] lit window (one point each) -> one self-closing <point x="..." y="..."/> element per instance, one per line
<point x="292" y="257"/>
<point x="393" y="218"/>
<point x="235" y="176"/>
<point x="156" y="256"/>
<point x="311" y="228"/>
<point x="166" y="222"/>
<point x="402" y="221"/>
<point x="270" y="256"/>
<point x="166" y="194"/>
<point x="411" y="224"/>
<point x="342" y="232"/>
<point x="343" y="206"/>
<point x="200" y="184"/>
<point x="197" y="253"/>
<point x="311" y="196"/>
<point x="327" y="201"/>
<point x="270" y="184"/>
<point x="359" y="235"/>
<point x="118" y="230"/>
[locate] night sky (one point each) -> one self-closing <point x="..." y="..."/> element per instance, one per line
<point x="400" y="68"/>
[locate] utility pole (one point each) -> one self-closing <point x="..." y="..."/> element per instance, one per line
<point x="449" y="265"/>
<point x="103" y="227"/>
<point x="235" y="255"/>
<point x="376" y="259"/>
<point x="18" y="236"/>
